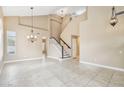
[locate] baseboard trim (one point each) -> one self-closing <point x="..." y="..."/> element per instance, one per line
<point x="53" y="57"/>
<point x="65" y="59"/>
<point x="59" y="59"/>
<point x="103" y="66"/>
<point x="1" y="67"/>
<point x="13" y="61"/>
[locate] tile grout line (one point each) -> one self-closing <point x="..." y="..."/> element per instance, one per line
<point x="92" y="78"/>
<point x="56" y="76"/>
<point x="110" y="79"/>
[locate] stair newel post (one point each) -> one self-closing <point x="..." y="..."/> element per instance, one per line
<point x="62" y="52"/>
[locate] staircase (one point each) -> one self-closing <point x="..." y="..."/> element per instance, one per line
<point x="64" y="51"/>
<point x="58" y="48"/>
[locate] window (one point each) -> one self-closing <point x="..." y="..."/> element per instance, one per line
<point x="1" y="41"/>
<point x="11" y="42"/>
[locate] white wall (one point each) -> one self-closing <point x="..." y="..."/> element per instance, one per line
<point x="24" y="48"/>
<point x="1" y="38"/>
<point x="100" y="42"/>
<point x="54" y="49"/>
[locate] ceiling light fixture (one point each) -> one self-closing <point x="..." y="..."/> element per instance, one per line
<point x="32" y="37"/>
<point x="62" y="12"/>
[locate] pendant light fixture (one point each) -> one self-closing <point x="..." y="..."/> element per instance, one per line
<point x="114" y="20"/>
<point x="32" y="37"/>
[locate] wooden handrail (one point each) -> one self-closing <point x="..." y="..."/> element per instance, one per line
<point x="61" y="45"/>
<point x="56" y="41"/>
<point x="65" y="43"/>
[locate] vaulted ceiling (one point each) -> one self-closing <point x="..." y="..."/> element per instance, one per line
<point x="38" y="10"/>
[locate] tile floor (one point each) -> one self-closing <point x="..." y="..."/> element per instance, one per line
<point x="51" y="73"/>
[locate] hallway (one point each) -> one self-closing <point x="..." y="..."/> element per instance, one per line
<point x="52" y="73"/>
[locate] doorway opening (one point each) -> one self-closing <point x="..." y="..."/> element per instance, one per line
<point x="76" y="47"/>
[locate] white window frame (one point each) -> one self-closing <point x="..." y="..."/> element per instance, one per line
<point x="8" y="44"/>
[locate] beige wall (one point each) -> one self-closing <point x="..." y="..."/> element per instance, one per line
<point x="1" y="37"/>
<point x="71" y="28"/>
<point x="39" y="22"/>
<point x="65" y="22"/>
<point x="24" y="48"/>
<point x="100" y="42"/>
<point x="55" y="26"/>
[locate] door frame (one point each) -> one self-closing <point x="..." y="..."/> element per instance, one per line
<point x="77" y="38"/>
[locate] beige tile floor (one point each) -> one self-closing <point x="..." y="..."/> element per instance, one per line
<point x="51" y="73"/>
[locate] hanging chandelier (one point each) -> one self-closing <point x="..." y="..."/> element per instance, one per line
<point x="32" y="36"/>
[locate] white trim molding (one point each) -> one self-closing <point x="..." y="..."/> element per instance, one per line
<point x="102" y="66"/>
<point x="59" y="59"/>
<point x="12" y="61"/>
<point x="64" y="59"/>
<point x="53" y="57"/>
<point x="1" y="67"/>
